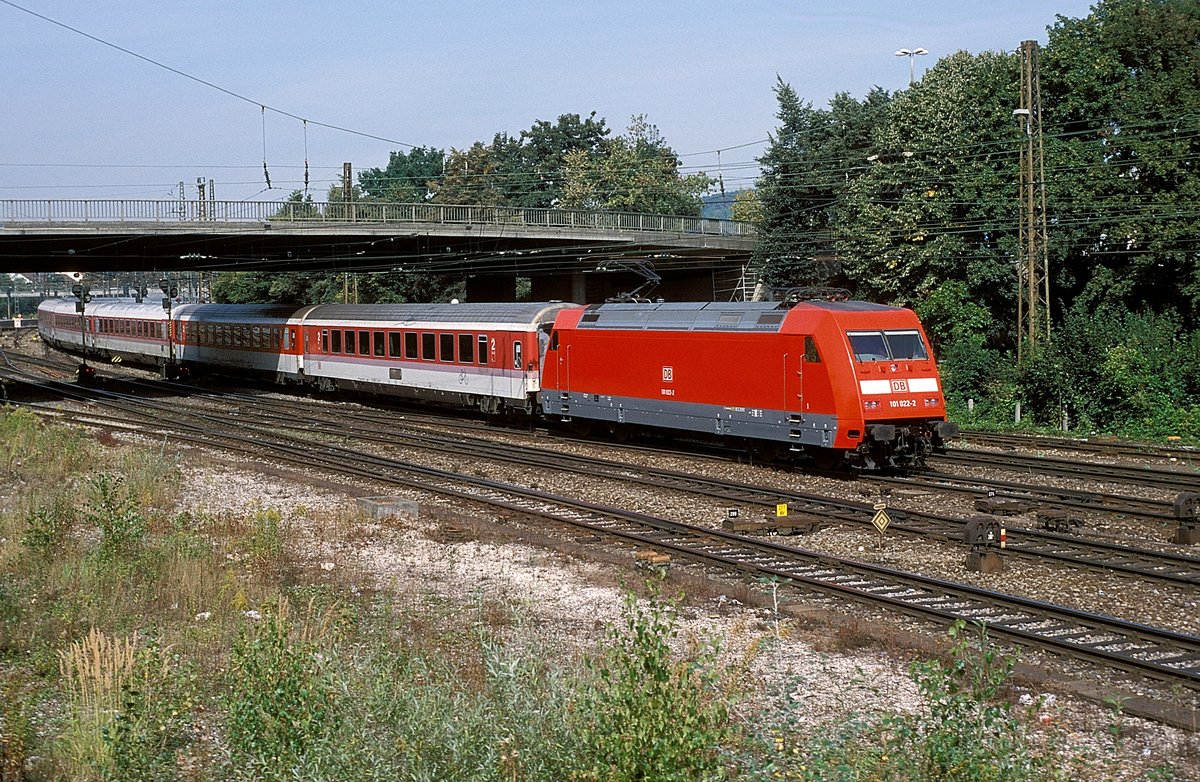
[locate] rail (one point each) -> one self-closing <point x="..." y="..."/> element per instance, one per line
<point x="358" y="212"/>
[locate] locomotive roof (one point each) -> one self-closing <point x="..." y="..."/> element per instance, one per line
<point x="492" y="313"/>
<point x="707" y="316"/>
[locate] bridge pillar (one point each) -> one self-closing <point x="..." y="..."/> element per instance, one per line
<point x="492" y="288"/>
<point x="559" y="287"/>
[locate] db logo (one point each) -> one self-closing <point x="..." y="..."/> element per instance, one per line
<point x="899" y="386"/>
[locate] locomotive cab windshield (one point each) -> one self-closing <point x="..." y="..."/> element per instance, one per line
<point x="905" y="345"/>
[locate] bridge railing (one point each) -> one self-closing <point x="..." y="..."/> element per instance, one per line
<point x="175" y="211"/>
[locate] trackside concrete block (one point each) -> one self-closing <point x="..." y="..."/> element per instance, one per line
<point x="380" y="508"/>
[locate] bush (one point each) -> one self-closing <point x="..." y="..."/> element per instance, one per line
<point x="282" y="706"/>
<point x="48" y="525"/>
<point x="644" y="715"/>
<point x="113" y="511"/>
<point x="965" y="733"/>
<point x="152" y="722"/>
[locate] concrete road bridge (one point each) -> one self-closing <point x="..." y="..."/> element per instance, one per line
<point x="575" y="255"/>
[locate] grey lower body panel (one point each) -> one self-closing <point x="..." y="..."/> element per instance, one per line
<point x="752" y="423"/>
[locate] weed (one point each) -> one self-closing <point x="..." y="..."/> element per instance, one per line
<point x="152" y="722"/>
<point x="113" y="511"/>
<point x="48" y="525"/>
<point x="282" y="705"/>
<point x="264" y="544"/>
<point x="93" y="671"/>
<point x="644" y="715"/>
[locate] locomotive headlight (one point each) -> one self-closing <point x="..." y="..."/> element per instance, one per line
<point x="871" y="404"/>
<point x="931" y="401"/>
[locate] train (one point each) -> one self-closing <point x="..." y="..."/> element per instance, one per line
<point x="841" y="382"/>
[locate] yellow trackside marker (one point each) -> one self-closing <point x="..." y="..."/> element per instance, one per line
<point x="781" y="510"/>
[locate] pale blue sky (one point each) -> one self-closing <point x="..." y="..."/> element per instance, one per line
<point x="443" y="74"/>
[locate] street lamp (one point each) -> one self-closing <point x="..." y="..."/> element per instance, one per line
<point x="911" y="54"/>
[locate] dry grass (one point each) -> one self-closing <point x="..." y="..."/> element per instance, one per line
<point x="94" y="668"/>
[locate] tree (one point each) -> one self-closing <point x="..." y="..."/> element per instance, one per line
<point x="544" y="149"/>
<point x="937" y="200"/>
<point x="472" y="176"/>
<point x="297" y="206"/>
<point x="1122" y="95"/>
<point x="812" y="157"/>
<point x="406" y="179"/>
<point x="635" y="172"/>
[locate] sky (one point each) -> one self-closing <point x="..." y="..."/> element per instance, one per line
<point x="80" y="119"/>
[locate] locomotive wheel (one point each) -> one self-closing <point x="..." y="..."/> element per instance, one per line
<point x="825" y="458"/>
<point x="620" y="432"/>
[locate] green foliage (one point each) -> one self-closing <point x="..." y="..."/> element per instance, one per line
<point x="635" y="172"/>
<point x="153" y="721"/>
<point x="408" y="177"/>
<point x="36" y="453"/>
<point x="646" y="715"/>
<point x="115" y="513"/>
<point x="391" y="287"/>
<point x="282" y="707"/>
<point x="264" y="544"/>
<point x="965" y="733"/>
<point x="48" y="525"/>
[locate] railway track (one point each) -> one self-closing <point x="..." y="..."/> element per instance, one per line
<point x="1174" y="480"/>
<point x="1152" y="652"/>
<point x="267" y="415"/>
<point x="1103" y="447"/>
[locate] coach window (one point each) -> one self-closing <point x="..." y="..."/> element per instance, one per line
<point x="255" y="337"/>
<point x="323" y="341"/>
<point x="466" y="348"/>
<point x="483" y="348"/>
<point x="364" y="343"/>
<point x="378" y="340"/>
<point x="410" y="344"/>
<point x="428" y="345"/>
<point x="349" y="342"/>
<point x="810" y="351"/>
<point x="335" y="345"/>
<point x="394" y="344"/>
<point x="447" y="347"/>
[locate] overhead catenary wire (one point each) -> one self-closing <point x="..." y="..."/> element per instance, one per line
<point x="199" y="80"/>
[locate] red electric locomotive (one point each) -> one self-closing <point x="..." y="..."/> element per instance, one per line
<point x="840" y="380"/>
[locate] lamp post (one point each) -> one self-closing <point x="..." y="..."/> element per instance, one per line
<point x="911" y="54"/>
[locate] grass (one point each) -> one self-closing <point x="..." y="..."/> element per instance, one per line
<point x="140" y="642"/>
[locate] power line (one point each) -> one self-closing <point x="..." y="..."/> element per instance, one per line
<point x="205" y="82"/>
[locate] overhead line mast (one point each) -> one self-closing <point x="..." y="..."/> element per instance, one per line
<point x="1033" y="271"/>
